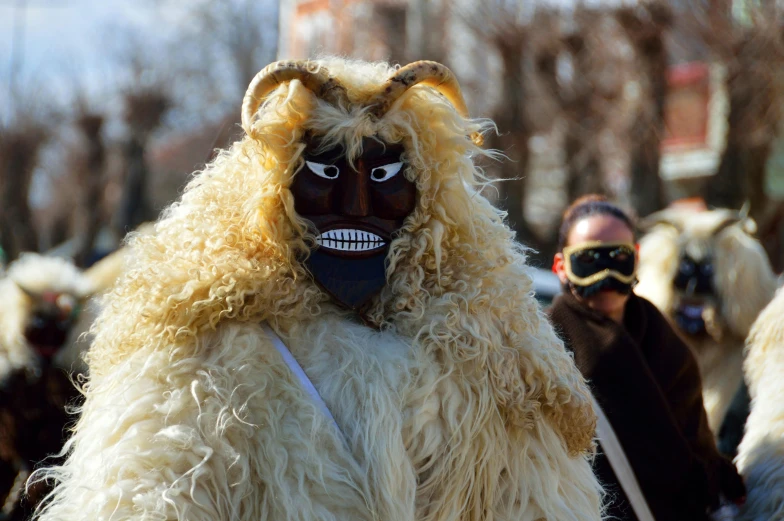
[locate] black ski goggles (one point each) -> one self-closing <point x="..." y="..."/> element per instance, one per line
<point x="589" y="262"/>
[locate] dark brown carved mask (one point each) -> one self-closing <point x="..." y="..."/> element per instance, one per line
<point x="356" y="209"/>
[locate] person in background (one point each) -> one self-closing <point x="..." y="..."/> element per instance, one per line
<point x="641" y="373"/>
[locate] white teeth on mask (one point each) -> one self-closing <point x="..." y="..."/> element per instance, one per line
<point x="350" y="240"/>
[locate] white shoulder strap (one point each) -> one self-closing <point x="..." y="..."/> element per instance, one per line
<point x="607" y="438"/>
<point x="621" y="466"/>
<point x="298" y="372"/>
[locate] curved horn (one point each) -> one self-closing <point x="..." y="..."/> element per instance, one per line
<point x="741" y="217"/>
<point x="314" y="77"/>
<point x="745" y="209"/>
<point x="428" y="73"/>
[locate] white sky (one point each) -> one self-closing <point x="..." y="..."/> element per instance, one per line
<point x="76" y="45"/>
<point x="74" y="42"/>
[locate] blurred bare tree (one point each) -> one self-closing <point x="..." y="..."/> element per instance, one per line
<point x="193" y="88"/>
<point x="239" y="33"/>
<point x="90" y="177"/>
<point x="96" y="166"/>
<point x="424" y="24"/>
<point x="752" y="50"/>
<point x="505" y="27"/>
<point x="575" y="66"/>
<point x="748" y="42"/>
<point x="591" y="80"/>
<point x="605" y="87"/>
<point x="583" y="104"/>
<point x="144" y="110"/>
<point x="20" y="144"/>
<point x="212" y="54"/>
<point x="645" y="26"/>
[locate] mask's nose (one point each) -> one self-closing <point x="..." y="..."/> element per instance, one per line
<point x="355" y="198"/>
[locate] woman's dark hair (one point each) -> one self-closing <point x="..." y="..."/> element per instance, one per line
<point x="587" y="206"/>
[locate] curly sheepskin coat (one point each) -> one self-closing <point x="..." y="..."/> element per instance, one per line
<point x="453" y="397"/>
<point x="761" y="453"/>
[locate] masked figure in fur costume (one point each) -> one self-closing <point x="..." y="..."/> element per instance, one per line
<point x="706" y="272"/>
<point x="761" y="453"/>
<point x="642" y="374"/>
<point x="342" y="237"/>
<point x="43" y="311"/>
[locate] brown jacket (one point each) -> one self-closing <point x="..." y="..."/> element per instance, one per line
<point x="647" y="381"/>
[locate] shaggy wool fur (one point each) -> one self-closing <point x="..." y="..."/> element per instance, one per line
<point x="761" y="453"/>
<point x="34" y="391"/>
<point x="100" y="277"/>
<point x="455" y="399"/>
<point x="744" y="283"/>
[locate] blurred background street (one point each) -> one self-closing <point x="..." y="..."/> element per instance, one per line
<point x="106" y="108"/>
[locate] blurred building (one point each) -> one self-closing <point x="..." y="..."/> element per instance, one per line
<point x="695" y="126"/>
<point x="398" y="31"/>
<point x="316" y="27"/>
<point x="401" y="31"/>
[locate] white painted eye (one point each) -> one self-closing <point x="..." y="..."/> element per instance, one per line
<point x="386" y="172"/>
<point x="325" y="171"/>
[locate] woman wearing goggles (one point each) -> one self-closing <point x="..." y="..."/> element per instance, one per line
<point x="643" y="376"/>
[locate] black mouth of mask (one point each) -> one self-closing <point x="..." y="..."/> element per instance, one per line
<point x="350" y="281"/>
<point x="47" y="336"/>
<point x="607" y="284"/>
<point x="689" y="317"/>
